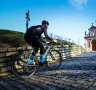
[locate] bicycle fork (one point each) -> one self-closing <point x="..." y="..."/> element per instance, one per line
<point x="49" y="51"/>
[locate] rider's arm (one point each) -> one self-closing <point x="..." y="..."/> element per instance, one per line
<point x="46" y="34"/>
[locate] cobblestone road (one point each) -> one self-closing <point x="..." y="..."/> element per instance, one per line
<point x="77" y="73"/>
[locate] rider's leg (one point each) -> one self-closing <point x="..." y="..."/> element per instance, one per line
<point x="37" y="43"/>
<point x="33" y="53"/>
<point x="35" y="50"/>
<point x="42" y="56"/>
<point x="30" y="60"/>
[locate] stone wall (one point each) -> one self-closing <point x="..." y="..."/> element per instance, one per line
<point x="7" y="55"/>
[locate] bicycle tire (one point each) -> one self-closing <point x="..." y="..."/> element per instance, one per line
<point x="21" y="69"/>
<point x="54" y="59"/>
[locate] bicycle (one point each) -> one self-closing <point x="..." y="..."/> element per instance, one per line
<point x="21" y="68"/>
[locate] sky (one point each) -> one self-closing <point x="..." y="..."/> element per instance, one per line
<point x="68" y="19"/>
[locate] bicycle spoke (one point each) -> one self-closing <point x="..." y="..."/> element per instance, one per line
<point x="23" y="69"/>
<point x="54" y="59"/>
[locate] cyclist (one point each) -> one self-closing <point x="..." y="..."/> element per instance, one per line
<point x="33" y="38"/>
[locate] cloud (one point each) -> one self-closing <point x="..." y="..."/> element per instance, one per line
<point x="78" y="3"/>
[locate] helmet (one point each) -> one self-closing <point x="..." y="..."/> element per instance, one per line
<point x="45" y="22"/>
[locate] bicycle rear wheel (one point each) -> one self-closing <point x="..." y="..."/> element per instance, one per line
<point x="54" y="59"/>
<point x="22" y="69"/>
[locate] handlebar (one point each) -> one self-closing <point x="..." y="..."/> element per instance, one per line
<point x="53" y="42"/>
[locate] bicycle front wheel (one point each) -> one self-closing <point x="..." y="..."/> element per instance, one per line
<point x="22" y="69"/>
<point x="54" y="59"/>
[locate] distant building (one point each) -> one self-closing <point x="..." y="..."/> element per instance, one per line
<point x="90" y="39"/>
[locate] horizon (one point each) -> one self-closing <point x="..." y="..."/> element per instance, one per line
<point x="67" y="18"/>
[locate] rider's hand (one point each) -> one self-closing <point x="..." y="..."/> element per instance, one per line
<point x="54" y="40"/>
<point x="47" y="42"/>
<point x="43" y="41"/>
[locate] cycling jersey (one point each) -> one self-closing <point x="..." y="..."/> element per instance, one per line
<point x="37" y="30"/>
<point x="33" y="37"/>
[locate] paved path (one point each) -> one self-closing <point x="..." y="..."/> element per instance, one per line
<point x="77" y="73"/>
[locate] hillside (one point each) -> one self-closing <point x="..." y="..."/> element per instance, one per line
<point x="11" y="38"/>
